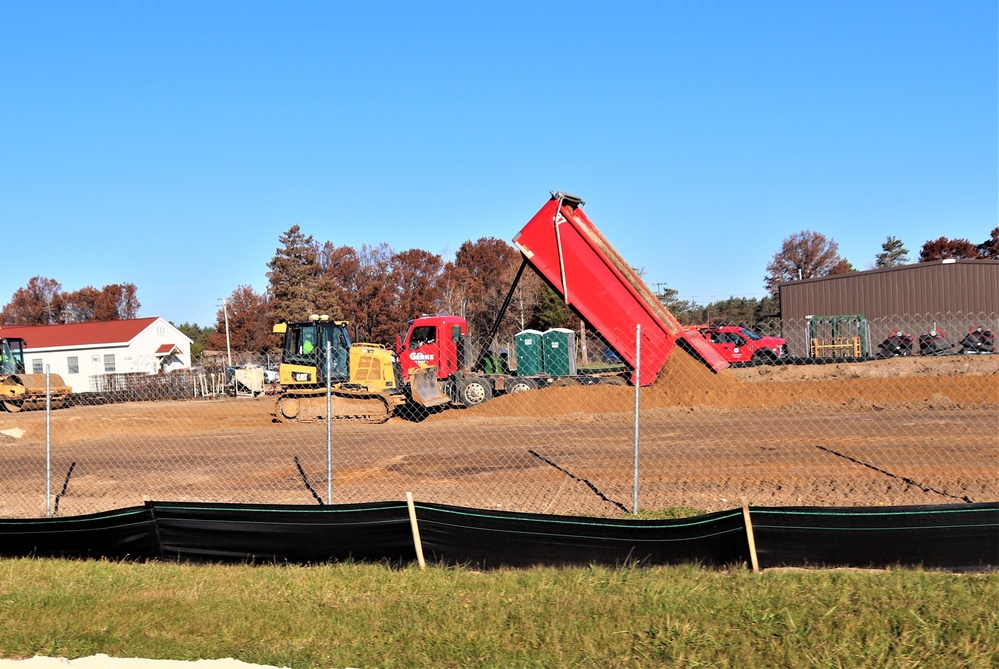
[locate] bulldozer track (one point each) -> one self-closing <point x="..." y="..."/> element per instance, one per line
<point x="346" y="406"/>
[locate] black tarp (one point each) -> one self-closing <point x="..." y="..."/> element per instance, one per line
<point x="122" y="534"/>
<point x="285" y="532"/>
<point x="959" y="537"/>
<point x="487" y="539"/>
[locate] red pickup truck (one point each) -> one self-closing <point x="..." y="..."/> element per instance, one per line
<point x="738" y="344"/>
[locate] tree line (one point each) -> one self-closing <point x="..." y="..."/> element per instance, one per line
<point x="378" y="290"/>
<point x="807" y="254"/>
<point x="44" y="302"/>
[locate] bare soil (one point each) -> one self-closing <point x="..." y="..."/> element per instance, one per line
<point x="899" y="431"/>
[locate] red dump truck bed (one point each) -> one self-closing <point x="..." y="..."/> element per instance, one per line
<point x="566" y="248"/>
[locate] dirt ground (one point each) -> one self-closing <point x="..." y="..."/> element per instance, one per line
<point x="899" y="431"/>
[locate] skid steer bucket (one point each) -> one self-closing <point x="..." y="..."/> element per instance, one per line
<point x="424" y="389"/>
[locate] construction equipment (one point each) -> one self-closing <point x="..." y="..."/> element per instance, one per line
<point x="568" y="251"/>
<point x="979" y="340"/>
<point x="897" y="344"/>
<point x="19" y="390"/>
<point x="935" y="342"/>
<point x="322" y="374"/>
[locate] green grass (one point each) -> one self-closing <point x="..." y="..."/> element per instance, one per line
<point x="375" y="616"/>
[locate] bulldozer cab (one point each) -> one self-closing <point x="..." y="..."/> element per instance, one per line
<point x="11" y="356"/>
<point x="304" y="352"/>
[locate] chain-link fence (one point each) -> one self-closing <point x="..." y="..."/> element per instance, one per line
<point x="844" y="412"/>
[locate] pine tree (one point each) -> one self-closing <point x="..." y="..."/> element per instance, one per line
<point x="293" y="275"/>
<point x="893" y="253"/>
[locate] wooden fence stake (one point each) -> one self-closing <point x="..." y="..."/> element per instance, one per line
<point x="416" y="531"/>
<point x="749" y="536"/>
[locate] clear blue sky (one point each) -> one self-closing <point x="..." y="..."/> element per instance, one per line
<point x="169" y="144"/>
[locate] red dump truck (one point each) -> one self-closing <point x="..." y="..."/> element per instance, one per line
<point x="566" y="249"/>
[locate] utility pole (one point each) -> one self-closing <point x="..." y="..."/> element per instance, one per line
<point x="228" y="346"/>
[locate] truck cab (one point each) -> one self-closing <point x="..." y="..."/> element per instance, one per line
<point x="11" y="356"/>
<point x="738" y="344"/>
<point x="434" y="341"/>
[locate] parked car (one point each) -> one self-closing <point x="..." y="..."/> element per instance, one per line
<point x="739" y="344"/>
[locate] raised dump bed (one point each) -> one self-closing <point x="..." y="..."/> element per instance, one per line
<point x="568" y="250"/>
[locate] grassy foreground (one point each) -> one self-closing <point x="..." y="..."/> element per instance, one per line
<point x="375" y="616"/>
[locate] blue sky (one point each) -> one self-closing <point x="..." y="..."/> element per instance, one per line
<point x="170" y="144"/>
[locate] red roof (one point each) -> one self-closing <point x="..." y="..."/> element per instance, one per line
<point x="165" y="349"/>
<point x="77" y="334"/>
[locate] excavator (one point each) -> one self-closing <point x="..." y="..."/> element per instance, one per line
<point x="364" y="380"/>
<point x="26" y="391"/>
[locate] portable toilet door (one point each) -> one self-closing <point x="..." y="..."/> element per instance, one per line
<point x="529" y="351"/>
<point x="560" y="352"/>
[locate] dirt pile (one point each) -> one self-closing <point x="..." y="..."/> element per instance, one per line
<point x="686" y="382"/>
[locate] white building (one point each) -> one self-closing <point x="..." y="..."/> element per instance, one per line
<point x="79" y="351"/>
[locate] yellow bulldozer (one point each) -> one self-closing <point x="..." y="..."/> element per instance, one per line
<point x="364" y="380"/>
<point x="26" y="391"/>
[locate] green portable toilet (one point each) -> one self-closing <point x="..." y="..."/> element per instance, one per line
<point x="530" y="352"/>
<point x="560" y="352"/>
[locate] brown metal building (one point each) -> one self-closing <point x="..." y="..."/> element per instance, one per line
<point x="950" y="295"/>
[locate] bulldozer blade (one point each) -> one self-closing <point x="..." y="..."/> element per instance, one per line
<point x="424" y="389"/>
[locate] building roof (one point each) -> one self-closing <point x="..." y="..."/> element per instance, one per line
<point x="94" y="333"/>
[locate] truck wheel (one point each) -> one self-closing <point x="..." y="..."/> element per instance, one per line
<point x="473" y="390"/>
<point x="516" y="385"/>
<point x="764" y="358"/>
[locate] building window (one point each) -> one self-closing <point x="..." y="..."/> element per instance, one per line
<point x="36" y="366"/>
<point x="161" y="330"/>
<point x="73" y="365"/>
<point x="108" y="363"/>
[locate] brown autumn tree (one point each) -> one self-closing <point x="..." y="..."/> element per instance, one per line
<point x="249" y="324"/>
<point x="80" y="305"/>
<point x="339" y="268"/>
<point x="481" y="273"/>
<point x="377" y="318"/>
<point x="989" y="249"/>
<point x="842" y="267"/>
<point x="944" y="248"/>
<point x="416" y="275"/>
<point x="38" y="303"/>
<point x="803" y="255"/>
<point x="114" y="302"/>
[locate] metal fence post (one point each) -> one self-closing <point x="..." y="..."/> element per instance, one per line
<point x="638" y="385"/>
<point x="48" y="443"/>
<point x="329" y="427"/>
